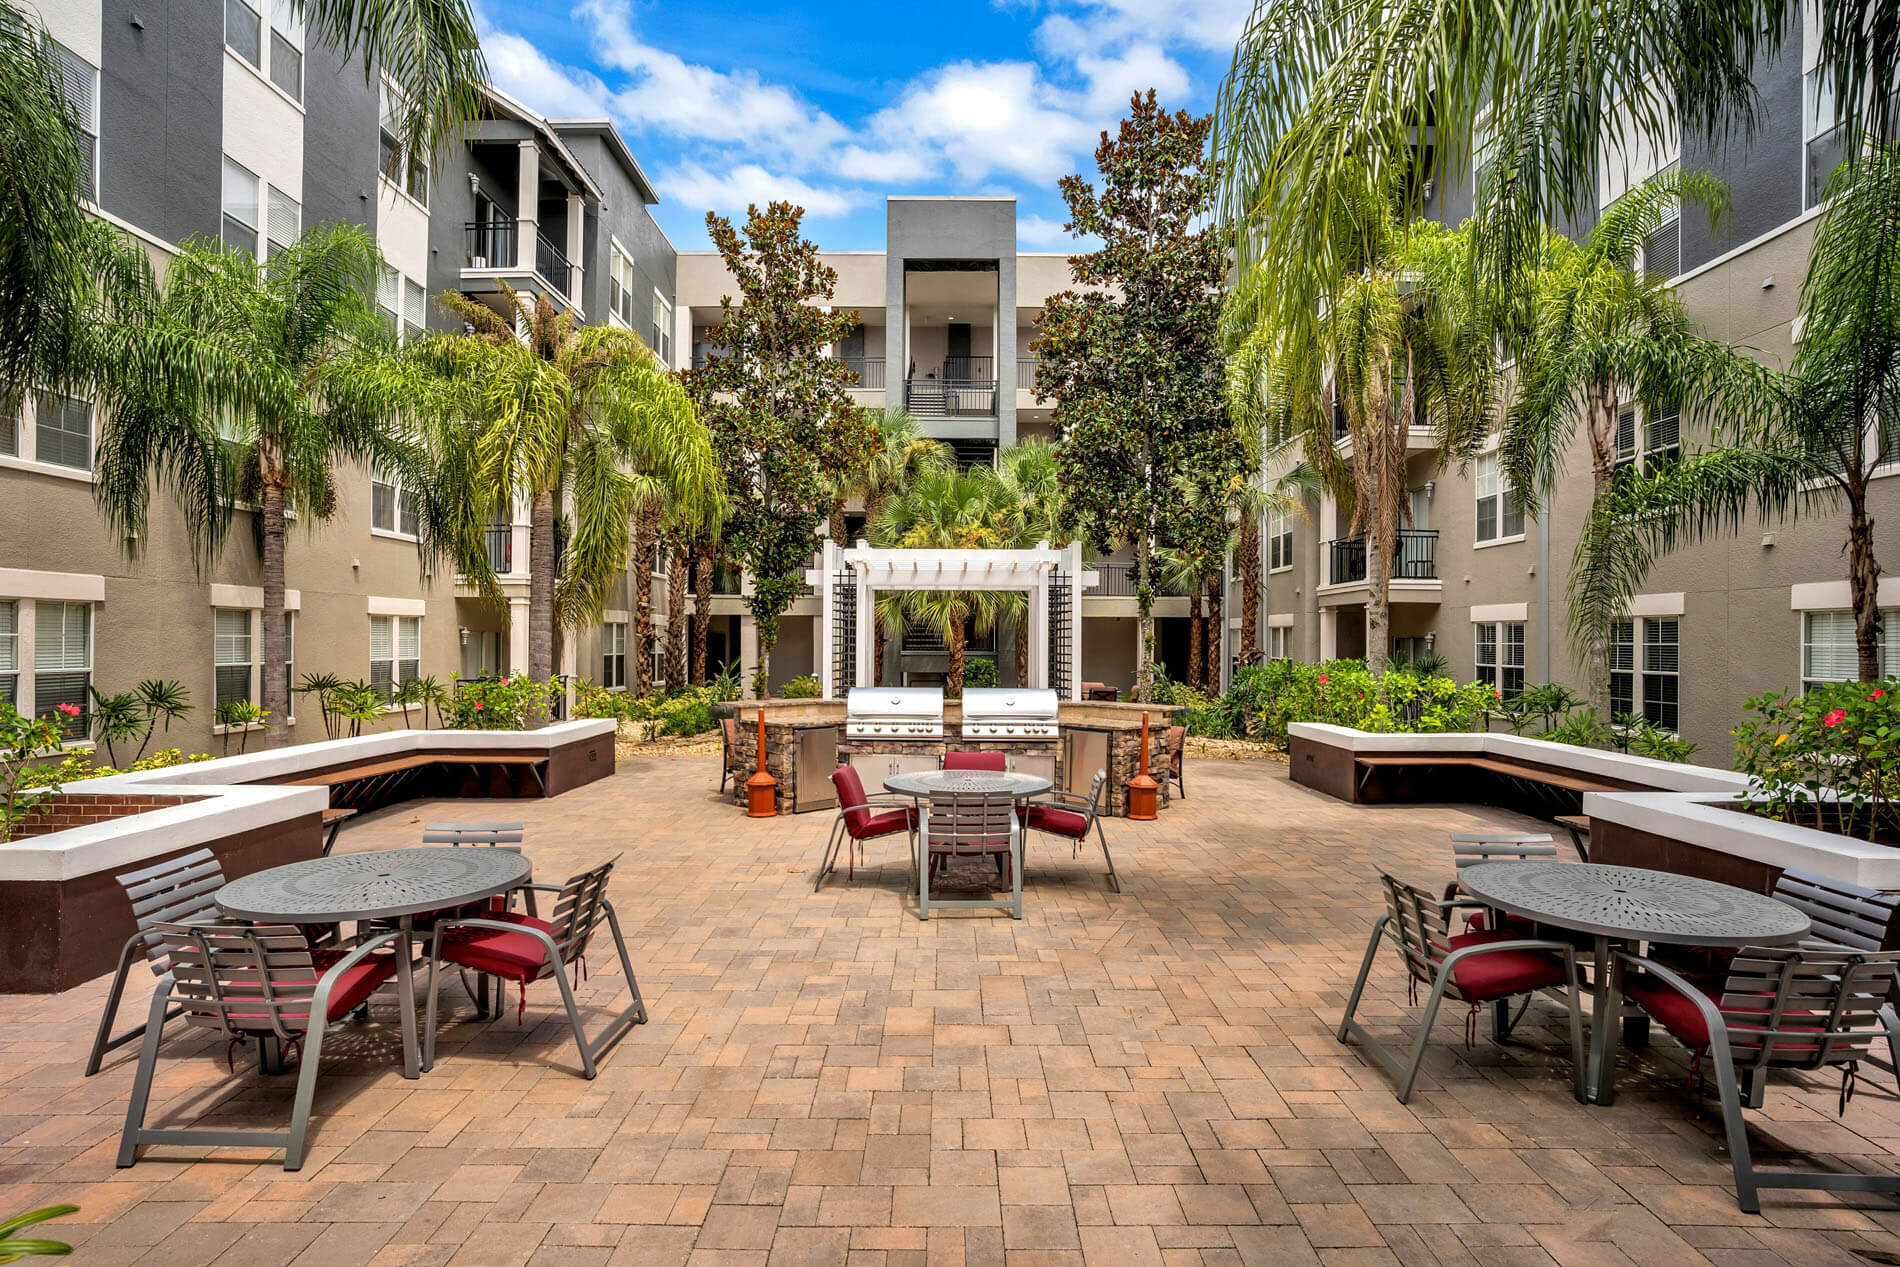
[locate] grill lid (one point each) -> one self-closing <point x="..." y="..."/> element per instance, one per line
<point x="1008" y="704"/>
<point x="908" y="703"/>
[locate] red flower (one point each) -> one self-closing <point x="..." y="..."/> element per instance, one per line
<point x="71" y="710"/>
<point x="478" y="706"/>
<point x="1323" y="679"/>
<point x="1834" y="718"/>
<point x="1876" y="695"/>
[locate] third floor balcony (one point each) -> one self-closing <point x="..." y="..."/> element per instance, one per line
<point x="1417" y="558"/>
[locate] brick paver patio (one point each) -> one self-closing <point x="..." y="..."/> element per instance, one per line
<point x="1142" y="1079"/>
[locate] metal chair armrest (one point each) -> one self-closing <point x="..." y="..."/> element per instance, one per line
<point x="1711" y="1014"/>
<point x="320" y="1000"/>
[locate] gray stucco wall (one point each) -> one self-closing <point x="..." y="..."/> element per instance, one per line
<point x="625" y="216"/>
<point x="1762" y="170"/>
<point x="341" y="139"/>
<point x="161" y="126"/>
<point x="952" y="229"/>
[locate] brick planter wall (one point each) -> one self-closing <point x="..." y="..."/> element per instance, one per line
<point x="80" y="809"/>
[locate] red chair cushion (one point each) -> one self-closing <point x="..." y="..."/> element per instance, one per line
<point x="1481" y="921"/>
<point x="515" y="956"/>
<point x="989" y="762"/>
<point x="1059" y="822"/>
<point x="1675" y="1012"/>
<point x="850" y="785"/>
<point x="356" y="984"/>
<point x="891" y="820"/>
<point x="1503" y="973"/>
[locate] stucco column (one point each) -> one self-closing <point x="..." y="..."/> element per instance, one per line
<point x="517" y="636"/>
<point x="1037" y="661"/>
<point x="682" y="336"/>
<point x="748" y="650"/>
<point x="576" y="237"/>
<point x="1329" y="633"/>
<point x="527" y="204"/>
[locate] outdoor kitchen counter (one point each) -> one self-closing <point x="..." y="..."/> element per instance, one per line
<point x="1095" y="714"/>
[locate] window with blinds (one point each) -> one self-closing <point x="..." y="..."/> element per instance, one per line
<point x="290" y="661"/>
<point x="1622" y="668"/>
<point x="620" y="287"/>
<point x="79" y="81"/>
<point x="1662" y="437"/>
<point x="231" y="656"/>
<point x="286" y="48"/>
<point x="1661" y="669"/>
<point x="1279" y="540"/>
<point x="1279" y="642"/>
<point x="62" y="431"/>
<point x="395" y="650"/>
<point x="392" y="508"/>
<point x="1626" y="435"/>
<point x="62" y="663"/>
<point x="613" y="659"/>
<point x="408" y="172"/>
<point x="1499" y="515"/>
<point x="1827" y="647"/>
<point x="238" y="225"/>
<point x="1499" y="656"/>
<point x="10" y="651"/>
<point x="283" y="222"/>
<point x="663" y="327"/>
<point x="415" y="311"/>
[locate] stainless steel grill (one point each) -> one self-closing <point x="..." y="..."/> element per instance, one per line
<point x="1008" y="713"/>
<point x="893" y="712"/>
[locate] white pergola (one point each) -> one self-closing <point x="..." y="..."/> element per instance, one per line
<point x="857" y="574"/>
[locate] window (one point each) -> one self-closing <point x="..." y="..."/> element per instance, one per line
<point x="290" y="662"/>
<point x="1499" y="515"/>
<point x="284" y="222"/>
<point x="62" y="662"/>
<point x="389" y="298"/>
<point x="232" y="659"/>
<point x="408" y="172"/>
<point x="79" y="81"/>
<point x="239" y="226"/>
<point x="244" y="31"/>
<point x="613" y="657"/>
<point x="620" y="287"/>
<point x="1661" y="665"/>
<point x="10" y="651"/>
<point x="1824" y="137"/>
<point x="395" y="650"/>
<point x="62" y="433"/>
<point x="1499" y="658"/>
<point x="1828" y="653"/>
<point x="415" y="311"/>
<point x="286" y="49"/>
<point x="1279" y="540"/>
<point x="1280" y="642"/>
<point x="1660" y="435"/>
<point x="1662" y="249"/>
<point x="663" y="328"/>
<point x="10" y="436"/>
<point x="392" y="508"/>
<point x="1622" y="668"/>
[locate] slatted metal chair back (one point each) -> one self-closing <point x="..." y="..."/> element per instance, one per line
<point x="1805" y="1008"/>
<point x="580" y="909"/>
<point x="181" y="890"/>
<point x="242" y="979"/>
<point x="1095" y="794"/>
<point x="474" y="834"/>
<point x="1469" y="852"/>
<point x="1419" y="927"/>
<point x="970" y="824"/>
<point x="1842" y="914"/>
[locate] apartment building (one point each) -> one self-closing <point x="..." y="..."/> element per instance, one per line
<point x="946" y="330"/>
<point x="225" y="121"/>
<point x="1481" y="583"/>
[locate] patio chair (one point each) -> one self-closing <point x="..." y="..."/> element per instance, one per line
<point x="522" y="949"/>
<point x="728" y="753"/>
<point x="1469" y="848"/>
<point x="1473" y="968"/>
<point x="972" y="825"/>
<point x="505" y="835"/>
<point x="251" y="982"/>
<point x="1804" y="1008"/>
<point x="181" y="890"/>
<point x="1177" y="752"/>
<point x="1073" y="816"/>
<point x="987" y="762"/>
<point x="860" y="819"/>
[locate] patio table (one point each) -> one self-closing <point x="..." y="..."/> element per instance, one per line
<point x="1617" y="906"/>
<point x="924" y="784"/>
<point x="390" y="884"/>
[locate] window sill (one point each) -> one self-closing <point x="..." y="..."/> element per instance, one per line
<point x="1281" y="570"/>
<point x="1497" y="541"/>
<point x="47" y="468"/>
<point x="383" y="180"/>
<point x="257" y="73"/>
<point x="219" y="729"/>
<point x="390" y="535"/>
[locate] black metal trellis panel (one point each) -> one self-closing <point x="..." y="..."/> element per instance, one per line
<point x="844" y="632"/>
<point x="1061" y="637"/>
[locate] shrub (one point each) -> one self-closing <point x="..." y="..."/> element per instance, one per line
<point x="685" y="715"/>
<point x="980" y="671"/>
<point x="805" y="686"/>
<point x="79" y="766"/>
<point x="1828" y="759"/>
<point x="497" y="703"/>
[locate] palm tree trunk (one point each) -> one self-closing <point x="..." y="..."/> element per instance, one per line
<point x="838" y="529"/>
<point x="1600" y="422"/>
<point x="953" y="679"/>
<point x="276" y="691"/>
<point x="541" y="587"/>
<point x="1022" y="650"/>
<point x="1145" y="619"/>
<point x="1248" y="553"/>
<point x="676" y="619"/>
<point x="1197" y="631"/>
<point x="1863" y="581"/>
<point x="702" y="610"/>
<point x="645" y="521"/>
<point x="1216" y="618"/>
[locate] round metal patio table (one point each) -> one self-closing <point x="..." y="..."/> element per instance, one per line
<point x="1618" y="906"/>
<point x="971" y="782"/>
<point x="390" y="884"/>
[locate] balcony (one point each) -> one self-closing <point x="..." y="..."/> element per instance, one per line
<point x="1026" y="373"/>
<point x="950" y="397"/>
<point x="1417" y="557"/>
<point x="491" y="244"/>
<point x="551" y="262"/>
<point x="501" y="548"/>
<point x="869" y="369"/>
<point x="1118" y="581"/>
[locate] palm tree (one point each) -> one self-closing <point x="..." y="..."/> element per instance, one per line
<point x="1030" y="483"/>
<point x="647" y="518"/>
<point x="1253" y="503"/>
<point x="576" y="419"/>
<point x="51" y="250"/>
<point x="227" y="386"/>
<point x="1605" y="334"/>
<point x="903" y="452"/>
<point x="946" y="509"/>
<point x="679" y="564"/>
<point x="1838" y="421"/>
<point x="1401" y="336"/>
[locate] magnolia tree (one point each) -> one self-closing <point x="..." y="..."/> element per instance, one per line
<point x="783" y="424"/>
<point x="1134" y="361"/>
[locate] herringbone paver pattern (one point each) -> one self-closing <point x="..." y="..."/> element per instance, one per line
<point x="1142" y="1079"/>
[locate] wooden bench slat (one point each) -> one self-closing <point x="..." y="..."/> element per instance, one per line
<point x="1492" y="765"/>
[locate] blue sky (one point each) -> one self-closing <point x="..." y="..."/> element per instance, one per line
<point x="837" y="104"/>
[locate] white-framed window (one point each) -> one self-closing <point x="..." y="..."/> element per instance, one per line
<point x="1648" y="437"/>
<point x="613" y="655"/>
<point x="415" y="311"/>
<point x="79" y="81"/>
<point x="233" y="656"/>
<point x="10" y="651"/>
<point x="1279" y="540"/>
<point x="238" y="227"/>
<point x="620" y="286"/>
<point x="663" y="328"/>
<point x="1280" y="642"/>
<point x="1824" y="137"/>
<point x="1662" y="248"/>
<point x="283" y="222"/>
<point x="395" y="650"/>
<point x="62" y="663"/>
<point x="286" y="49"/>
<point x="389" y="298"/>
<point x="1622" y="668"/>
<point x="244" y="31"/>
<point x="1500" y="517"/>
<point x="392" y="508"/>
<point x="1662" y="668"/>
<point x="290" y="664"/>
<point x="1498" y="655"/>
<point x="61" y="432"/>
<point x="1828" y="653"/>
<point x="408" y="172"/>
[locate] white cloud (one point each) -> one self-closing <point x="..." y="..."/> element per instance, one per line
<point x="989" y="118"/>
<point x="1113" y="79"/>
<point x="729" y="192"/>
<point x="882" y="167"/>
<point x="1045" y="234"/>
<point x="522" y="71"/>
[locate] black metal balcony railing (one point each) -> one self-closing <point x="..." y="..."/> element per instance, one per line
<point x="968" y="368"/>
<point x="1026" y="373"/>
<point x="551" y="263"/>
<point x="1118" y="580"/>
<point x="491" y="244"/>
<point x="501" y="548"/>
<point x="1417" y="557"/>
<point x="869" y="369"/>
<point x="950" y="398"/>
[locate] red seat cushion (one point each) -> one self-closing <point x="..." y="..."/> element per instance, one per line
<point x="1481" y="921"/>
<point x="1502" y="973"/>
<point x="1059" y="822"/>
<point x="516" y="956"/>
<point x="356" y="984"/>
<point x="1678" y="1014"/>
<point x="862" y="828"/>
